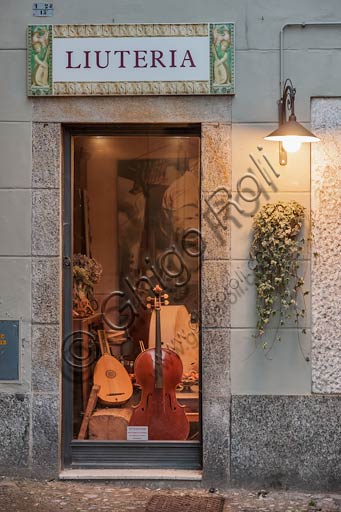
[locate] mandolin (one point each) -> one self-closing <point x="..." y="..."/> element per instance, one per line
<point x="115" y="384"/>
<point x="158" y="371"/>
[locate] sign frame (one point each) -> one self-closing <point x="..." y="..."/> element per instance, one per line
<point x="19" y="348"/>
<point x="219" y="79"/>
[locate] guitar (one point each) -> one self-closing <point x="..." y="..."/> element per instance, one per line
<point x="115" y="384"/>
<point x="158" y="371"/>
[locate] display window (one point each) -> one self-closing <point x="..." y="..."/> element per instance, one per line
<point x="135" y="357"/>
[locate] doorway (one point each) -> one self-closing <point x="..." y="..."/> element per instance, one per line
<point x="131" y="275"/>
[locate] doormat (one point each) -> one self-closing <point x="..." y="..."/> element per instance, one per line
<point x="185" y="504"/>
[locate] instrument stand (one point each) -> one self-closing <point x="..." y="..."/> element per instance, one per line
<point x="88" y="411"/>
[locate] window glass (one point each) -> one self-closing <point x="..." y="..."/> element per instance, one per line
<point x="136" y="275"/>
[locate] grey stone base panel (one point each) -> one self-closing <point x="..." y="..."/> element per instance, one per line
<point x="29" y="435"/>
<point x="286" y="441"/>
<point x="14" y="431"/>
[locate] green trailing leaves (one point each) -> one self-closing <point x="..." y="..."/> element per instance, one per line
<point x="276" y="248"/>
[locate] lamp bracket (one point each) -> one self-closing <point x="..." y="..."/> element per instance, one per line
<point x="287" y="102"/>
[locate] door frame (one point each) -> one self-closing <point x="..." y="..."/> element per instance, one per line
<point x="111" y="454"/>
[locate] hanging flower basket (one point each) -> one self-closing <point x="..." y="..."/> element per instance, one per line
<point x="276" y="248"/>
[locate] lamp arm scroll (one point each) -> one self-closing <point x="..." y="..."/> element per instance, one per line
<point x="290" y="134"/>
<point x="287" y="102"/>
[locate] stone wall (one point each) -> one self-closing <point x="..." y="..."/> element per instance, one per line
<point x="234" y="370"/>
<point x="326" y="262"/>
<point x="44" y="402"/>
<point x="286" y="442"/>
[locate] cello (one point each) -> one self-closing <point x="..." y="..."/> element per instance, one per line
<point x="158" y="371"/>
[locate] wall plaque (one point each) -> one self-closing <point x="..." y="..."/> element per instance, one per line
<point x="42" y="9"/>
<point x="140" y="59"/>
<point x="9" y="350"/>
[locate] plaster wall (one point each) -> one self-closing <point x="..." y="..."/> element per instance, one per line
<point x="283" y="368"/>
<point x="312" y="54"/>
<point x="30" y="190"/>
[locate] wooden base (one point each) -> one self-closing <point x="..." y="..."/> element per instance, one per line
<point x="110" y="424"/>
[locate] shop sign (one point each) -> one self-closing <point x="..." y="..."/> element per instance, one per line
<point x="9" y="350"/>
<point x="114" y="60"/>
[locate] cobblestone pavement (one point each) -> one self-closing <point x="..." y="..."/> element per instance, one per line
<point x="52" y="496"/>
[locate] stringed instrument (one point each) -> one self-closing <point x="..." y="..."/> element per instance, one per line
<point x="158" y="371"/>
<point x="115" y="384"/>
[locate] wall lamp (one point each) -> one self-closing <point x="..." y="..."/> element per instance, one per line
<point x="290" y="134"/>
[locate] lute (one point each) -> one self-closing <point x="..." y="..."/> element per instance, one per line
<point x="115" y="384"/>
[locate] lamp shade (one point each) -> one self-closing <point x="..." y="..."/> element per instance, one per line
<point x="292" y="130"/>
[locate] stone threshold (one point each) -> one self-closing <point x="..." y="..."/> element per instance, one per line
<point x="131" y="474"/>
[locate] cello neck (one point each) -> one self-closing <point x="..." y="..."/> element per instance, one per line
<point x="155" y="303"/>
<point x="158" y="351"/>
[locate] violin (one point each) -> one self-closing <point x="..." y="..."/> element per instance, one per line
<point x="158" y="371"/>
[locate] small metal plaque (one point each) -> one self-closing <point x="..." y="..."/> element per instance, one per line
<point x="137" y="433"/>
<point x="42" y="9"/>
<point x="9" y="350"/>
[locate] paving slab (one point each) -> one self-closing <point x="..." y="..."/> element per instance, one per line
<point x="52" y="496"/>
